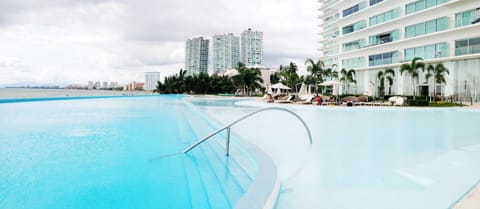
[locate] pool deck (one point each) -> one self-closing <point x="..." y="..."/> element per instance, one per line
<point x="470" y="201"/>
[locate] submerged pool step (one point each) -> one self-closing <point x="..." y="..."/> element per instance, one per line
<point x="243" y="178"/>
<point x="222" y="168"/>
<point x="201" y="174"/>
<point x="197" y="190"/>
<point x="232" y="179"/>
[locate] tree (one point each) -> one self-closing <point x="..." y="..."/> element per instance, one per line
<point x="383" y="76"/>
<point x="347" y="77"/>
<point x="413" y="70"/>
<point x="274" y="78"/>
<point x="288" y="75"/>
<point x="159" y="88"/>
<point x="247" y="78"/>
<point x="315" y="69"/>
<point x="438" y="73"/>
<point x="331" y="73"/>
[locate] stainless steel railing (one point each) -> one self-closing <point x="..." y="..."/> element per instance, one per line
<point x="228" y="127"/>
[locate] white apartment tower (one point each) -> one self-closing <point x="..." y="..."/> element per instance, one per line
<point x="252" y="48"/>
<point x="196" y="55"/>
<point x="151" y="79"/>
<point x="226" y="52"/>
<point x="373" y="35"/>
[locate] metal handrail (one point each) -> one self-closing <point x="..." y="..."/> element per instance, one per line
<point x="242" y="118"/>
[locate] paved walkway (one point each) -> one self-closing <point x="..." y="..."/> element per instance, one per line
<point x="476" y="105"/>
<point x="471" y="201"/>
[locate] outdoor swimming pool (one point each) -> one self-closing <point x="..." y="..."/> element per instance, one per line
<point x="363" y="158"/>
<point x="124" y="153"/>
<point x="115" y="153"/>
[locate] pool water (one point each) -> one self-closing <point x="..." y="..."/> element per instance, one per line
<point x="363" y="158"/>
<point x="115" y="153"/>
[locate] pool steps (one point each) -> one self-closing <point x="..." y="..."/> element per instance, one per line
<point x="229" y="181"/>
<point x="264" y="190"/>
<point x="196" y="201"/>
<point x="217" y="168"/>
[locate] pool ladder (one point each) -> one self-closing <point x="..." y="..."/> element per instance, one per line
<point x="228" y="127"/>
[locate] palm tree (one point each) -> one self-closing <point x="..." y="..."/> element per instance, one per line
<point x="438" y="73"/>
<point x="289" y="75"/>
<point x="248" y="78"/>
<point x="347" y="77"/>
<point x="315" y="69"/>
<point x="170" y="84"/>
<point x="330" y="72"/>
<point x="159" y="88"/>
<point x="387" y="75"/>
<point x="412" y="70"/>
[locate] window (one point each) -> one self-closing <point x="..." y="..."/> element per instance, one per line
<point x="351" y="10"/>
<point x="331" y="35"/>
<point x="384" y="37"/>
<point x="382" y="59"/>
<point x="468" y="46"/>
<point x="355" y="27"/>
<point x="409" y="31"/>
<point x="410" y="8"/>
<point x="409" y="54"/>
<point x="357" y="62"/>
<point x="431" y="26"/>
<point x="385" y="17"/>
<point x="373" y="2"/>
<point x="347" y="29"/>
<point x="420" y="29"/>
<point x="353" y="45"/>
<point x="465" y="18"/>
<point x="427" y="52"/>
<point x="419" y="52"/>
<point x="421" y="5"/>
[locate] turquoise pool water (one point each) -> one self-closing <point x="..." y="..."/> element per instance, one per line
<point x="115" y="153"/>
<point x="363" y="158"/>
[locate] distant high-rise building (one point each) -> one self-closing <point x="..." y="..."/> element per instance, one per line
<point x="196" y="55"/>
<point x="151" y="79"/>
<point x="252" y="48"/>
<point x="225" y="52"/>
<point x="90" y="85"/>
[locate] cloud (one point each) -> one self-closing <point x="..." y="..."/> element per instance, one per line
<point x="74" y="41"/>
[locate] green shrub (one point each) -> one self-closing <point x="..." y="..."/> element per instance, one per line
<point x="418" y="102"/>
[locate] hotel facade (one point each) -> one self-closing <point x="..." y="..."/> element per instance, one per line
<point x="373" y="35"/>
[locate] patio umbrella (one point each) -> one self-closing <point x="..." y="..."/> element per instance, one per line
<point x="331" y="83"/>
<point x="269" y="89"/>
<point x="335" y="84"/>
<point x="280" y="86"/>
<point x="303" y="91"/>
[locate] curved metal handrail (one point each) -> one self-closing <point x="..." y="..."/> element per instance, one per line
<point x="243" y="118"/>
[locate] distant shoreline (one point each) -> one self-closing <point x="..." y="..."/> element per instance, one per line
<point x="13" y="93"/>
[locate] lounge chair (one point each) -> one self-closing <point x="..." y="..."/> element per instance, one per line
<point x="308" y="100"/>
<point x="268" y="98"/>
<point x="289" y="99"/>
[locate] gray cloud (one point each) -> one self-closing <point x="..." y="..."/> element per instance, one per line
<point x="77" y="41"/>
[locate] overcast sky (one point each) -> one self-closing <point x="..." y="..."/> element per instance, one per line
<point x="74" y="41"/>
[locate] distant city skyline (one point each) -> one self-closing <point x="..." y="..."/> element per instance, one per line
<point x="71" y="41"/>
